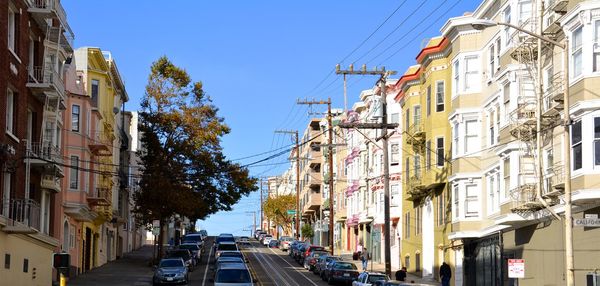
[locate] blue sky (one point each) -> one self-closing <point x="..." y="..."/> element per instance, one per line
<point x="256" y="58"/>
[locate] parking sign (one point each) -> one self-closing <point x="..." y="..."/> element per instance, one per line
<point x="516" y="268"/>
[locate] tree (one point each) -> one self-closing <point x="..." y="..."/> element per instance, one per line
<point x="184" y="169"/>
<point x="275" y="208"/>
<point x="307" y="231"/>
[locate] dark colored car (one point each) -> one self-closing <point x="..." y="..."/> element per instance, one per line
<point x="341" y="271"/>
<point x="170" y="271"/>
<point x="193" y="248"/>
<point x="322" y="262"/>
<point x="184" y="254"/>
<point x="224" y="239"/>
<point x="293" y="245"/>
<point x="311" y="259"/>
<point x="299" y="252"/>
<point x="194" y="238"/>
<point x="274" y="243"/>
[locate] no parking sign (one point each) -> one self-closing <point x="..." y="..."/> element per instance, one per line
<point x="516" y="268"/>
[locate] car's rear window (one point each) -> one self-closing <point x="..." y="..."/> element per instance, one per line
<point x="189" y="246"/>
<point x="225" y="238"/>
<point x="314" y="248"/>
<point x="231" y="254"/>
<point x="227" y="247"/>
<point x="171" y="263"/>
<point x="373" y="278"/>
<point x="346" y="266"/>
<point x="233" y="276"/>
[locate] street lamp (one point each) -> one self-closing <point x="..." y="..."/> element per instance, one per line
<point x="481" y="24"/>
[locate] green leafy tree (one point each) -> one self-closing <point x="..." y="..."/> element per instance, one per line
<point x="275" y="208"/>
<point x="307" y="231"/>
<point x="184" y="169"/>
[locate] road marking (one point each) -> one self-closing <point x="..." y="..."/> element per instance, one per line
<point x="293" y="267"/>
<point x="261" y="258"/>
<point x="283" y="270"/>
<point x="207" y="264"/>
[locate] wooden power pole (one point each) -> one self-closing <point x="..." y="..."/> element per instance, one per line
<point x="330" y="163"/>
<point x="384" y="126"/>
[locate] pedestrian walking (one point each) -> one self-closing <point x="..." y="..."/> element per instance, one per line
<point x="365" y="259"/>
<point x="401" y="274"/>
<point x="445" y="274"/>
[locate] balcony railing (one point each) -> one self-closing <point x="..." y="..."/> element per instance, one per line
<point x="45" y="77"/>
<point x="45" y="151"/>
<point x="23" y="215"/>
<point x="56" y="35"/>
<point x="524" y="199"/>
<point x="47" y="6"/>
<point x="416" y="134"/>
<point x="100" y="197"/>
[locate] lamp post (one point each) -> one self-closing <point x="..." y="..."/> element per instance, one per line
<point x="569" y="259"/>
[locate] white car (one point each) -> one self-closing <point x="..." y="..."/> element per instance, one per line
<point x="267" y="239"/>
<point x="225" y="246"/>
<point x="369" y="278"/>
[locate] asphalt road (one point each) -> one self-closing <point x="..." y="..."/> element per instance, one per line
<point x="272" y="266"/>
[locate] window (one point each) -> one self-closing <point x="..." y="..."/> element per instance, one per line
<point x="428" y="154"/>
<point x="440" y="152"/>
<point x="492" y="63"/>
<point x="428" y="100"/>
<point x="506" y="173"/>
<point x="576" y="52"/>
<point x="456" y="79"/>
<point x="7" y="261"/>
<point x="95" y="92"/>
<point x="472" y="80"/>
<point x="493" y="194"/>
<point x="395" y="154"/>
<point x="394" y="117"/>
<point x="407" y="167"/>
<point x="471" y="137"/>
<point x="498" y="45"/>
<point x="407" y="225"/>
<point x="13" y="29"/>
<point x="455" y="139"/>
<point x="441" y="209"/>
<point x="418" y="224"/>
<point x="74" y="175"/>
<point x="407" y="119"/>
<point x="576" y="145"/>
<point x="596" y="141"/>
<point x="75" y="115"/>
<point x="439" y="96"/>
<point x="524" y="10"/>
<point x="493" y="128"/>
<point x="417" y="165"/>
<point x="472" y="201"/>
<point x="6" y="191"/>
<point x="597" y="46"/>
<point x="10" y="111"/>
<point x="455" y="202"/>
<point x="507" y="19"/>
<point x="417" y="115"/>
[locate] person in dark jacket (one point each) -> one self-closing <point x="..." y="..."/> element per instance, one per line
<point x="445" y="274"/>
<point x="401" y="274"/>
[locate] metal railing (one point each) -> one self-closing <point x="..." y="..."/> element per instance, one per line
<point x="24" y="212"/>
<point x="56" y="35"/>
<point x="46" y="75"/>
<point x="51" y="5"/>
<point x="524" y="197"/>
<point x="45" y="151"/>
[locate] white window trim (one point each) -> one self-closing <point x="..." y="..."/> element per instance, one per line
<point x="573" y="78"/>
<point x="437" y="150"/>
<point x="462" y="199"/>
<point x="79" y="125"/>
<point x="461" y="73"/>
<point x="443" y="95"/>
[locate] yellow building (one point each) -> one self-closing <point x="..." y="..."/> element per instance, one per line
<point x="424" y="94"/>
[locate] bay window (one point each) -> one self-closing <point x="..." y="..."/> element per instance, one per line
<point x="576" y="145"/>
<point x="507" y="19"/>
<point x="471" y="143"/>
<point x="472" y="205"/>
<point x="439" y="96"/>
<point x="472" y="81"/>
<point x="576" y="52"/>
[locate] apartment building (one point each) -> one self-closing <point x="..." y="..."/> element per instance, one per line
<point x="38" y="41"/>
<point x="311" y="178"/>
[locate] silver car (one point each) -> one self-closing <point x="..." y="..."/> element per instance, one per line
<point x="170" y="271"/>
<point x="236" y="274"/>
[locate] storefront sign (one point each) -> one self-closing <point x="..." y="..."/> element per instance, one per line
<point x="516" y="268"/>
<point x="587" y="222"/>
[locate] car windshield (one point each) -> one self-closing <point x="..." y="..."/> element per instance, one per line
<point x="171" y="263"/>
<point x="233" y="276"/>
<point x="227" y="247"/>
<point x="189" y="246"/>
<point x="373" y="278"/>
<point x="346" y="266"/>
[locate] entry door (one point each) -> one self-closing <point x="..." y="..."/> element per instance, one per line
<point x="428" y="243"/>
<point x="87" y="250"/>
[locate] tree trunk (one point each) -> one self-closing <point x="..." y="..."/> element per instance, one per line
<point x="161" y="237"/>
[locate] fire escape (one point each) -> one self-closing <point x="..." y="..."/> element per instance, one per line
<point x="417" y="187"/>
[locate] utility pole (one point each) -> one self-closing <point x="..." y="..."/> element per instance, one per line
<point x="569" y="263"/>
<point x="297" y="222"/>
<point x="383" y="74"/>
<point x="330" y="162"/>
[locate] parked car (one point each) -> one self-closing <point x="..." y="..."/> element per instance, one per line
<point x="244" y="240"/>
<point x="225" y="246"/>
<point x="311" y="259"/>
<point x="284" y="243"/>
<point x="194" y="238"/>
<point x="299" y="252"/>
<point x="257" y="233"/>
<point x="293" y="247"/>
<point x="340" y="271"/>
<point x="262" y="236"/>
<point x="184" y="254"/>
<point x="306" y="251"/>
<point x="368" y="278"/>
<point x="395" y="283"/>
<point x="227" y="260"/>
<point x="194" y="249"/>
<point x="237" y="254"/>
<point x="233" y="274"/>
<point x="322" y="262"/>
<point x="170" y="271"/>
<point x="267" y="239"/>
<point x="274" y="243"/>
<point x="225" y="238"/>
<point x="203" y="233"/>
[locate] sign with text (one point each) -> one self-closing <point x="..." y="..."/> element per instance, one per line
<point x="291" y="212"/>
<point x="516" y="268"/>
<point x="587" y="222"/>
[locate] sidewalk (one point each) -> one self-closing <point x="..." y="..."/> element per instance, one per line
<point x="132" y="269"/>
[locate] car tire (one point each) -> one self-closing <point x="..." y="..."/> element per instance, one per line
<point x="329" y="281"/>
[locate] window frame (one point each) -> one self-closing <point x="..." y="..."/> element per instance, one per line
<point x="576" y="145"/>
<point x="440" y="93"/>
<point x="11" y="97"/>
<point x="394" y="154"/>
<point x="76" y="124"/>
<point x="471" y="198"/>
<point x="74" y="173"/>
<point x="576" y="52"/>
<point x="596" y="141"/>
<point x="428" y="100"/>
<point x="440" y="155"/>
<point x="12" y="30"/>
<point x="428" y="151"/>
